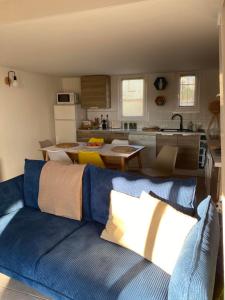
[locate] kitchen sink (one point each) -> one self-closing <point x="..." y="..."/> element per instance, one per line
<point x="175" y="130"/>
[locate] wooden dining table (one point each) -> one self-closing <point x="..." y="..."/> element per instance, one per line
<point x="106" y="151"/>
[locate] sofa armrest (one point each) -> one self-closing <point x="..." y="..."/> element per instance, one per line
<point x="194" y="273"/>
<point x="11" y="195"/>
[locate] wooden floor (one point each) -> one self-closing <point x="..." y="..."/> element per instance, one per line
<point x="14" y="290"/>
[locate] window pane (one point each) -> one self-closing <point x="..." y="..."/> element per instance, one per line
<point x="187" y="90"/>
<point x="133" y="97"/>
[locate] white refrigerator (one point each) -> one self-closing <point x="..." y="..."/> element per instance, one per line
<point x="67" y="119"/>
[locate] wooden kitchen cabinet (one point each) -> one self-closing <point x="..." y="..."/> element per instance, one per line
<point x="108" y="136"/>
<point x="95" y="91"/>
<point x="162" y="140"/>
<point x="188" y="149"/>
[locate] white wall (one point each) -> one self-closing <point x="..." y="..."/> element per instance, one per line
<point x="26" y="116"/>
<point x="160" y="115"/>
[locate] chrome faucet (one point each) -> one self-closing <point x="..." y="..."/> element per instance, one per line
<point x="181" y="120"/>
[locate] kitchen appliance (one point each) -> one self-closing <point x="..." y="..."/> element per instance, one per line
<point x="86" y="124"/>
<point x="67" y="120"/>
<point x="67" y="98"/>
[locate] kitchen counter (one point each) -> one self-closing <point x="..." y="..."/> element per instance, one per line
<point x="139" y="132"/>
<point x="189" y="142"/>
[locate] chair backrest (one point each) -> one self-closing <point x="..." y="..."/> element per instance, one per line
<point x="45" y="143"/>
<point x="120" y="142"/>
<point x="59" y="155"/>
<point x="166" y="159"/>
<point x="88" y="157"/>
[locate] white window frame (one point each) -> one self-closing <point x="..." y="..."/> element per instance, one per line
<point x="195" y="107"/>
<point x="120" y="110"/>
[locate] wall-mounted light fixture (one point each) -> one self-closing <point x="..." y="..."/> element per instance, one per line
<point x="11" y="79"/>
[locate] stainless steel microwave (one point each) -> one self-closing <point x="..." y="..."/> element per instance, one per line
<point x="67" y="98"/>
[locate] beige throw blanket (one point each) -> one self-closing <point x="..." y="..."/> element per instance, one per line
<point x="60" y="190"/>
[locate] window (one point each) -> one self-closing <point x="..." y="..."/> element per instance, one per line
<point x="187" y="93"/>
<point x="133" y="97"/>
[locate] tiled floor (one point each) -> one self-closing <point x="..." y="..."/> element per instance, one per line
<point x="14" y="290"/>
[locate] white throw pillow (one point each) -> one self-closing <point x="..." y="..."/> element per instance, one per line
<point x="149" y="227"/>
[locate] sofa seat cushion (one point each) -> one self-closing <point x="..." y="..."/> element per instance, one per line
<point x="27" y="235"/>
<point x="84" y="267"/>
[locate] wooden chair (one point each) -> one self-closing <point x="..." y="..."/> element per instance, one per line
<point x="88" y="157"/>
<point x="44" y="144"/>
<point x="114" y="162"/>
<point x="164" y="164"/>
<point x="59" y="155"/>
<point x="120" y="142"/>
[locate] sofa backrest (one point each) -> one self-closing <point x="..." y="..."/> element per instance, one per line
<point x="32" y="172"/>
<point x="180" y="193"/>
<point x="98" y="182"/>
<point x="194" y="273"/>
<point x="11" y="195"/>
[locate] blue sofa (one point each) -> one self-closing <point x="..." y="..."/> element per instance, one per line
<point x="66" y="259"/>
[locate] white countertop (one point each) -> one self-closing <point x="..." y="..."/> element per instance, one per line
<point x="140" y="132"/>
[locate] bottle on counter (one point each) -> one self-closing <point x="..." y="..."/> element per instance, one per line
<point x="104" y="124"/>
<point x="190" y="126"/>
<point x="107" y="122"/>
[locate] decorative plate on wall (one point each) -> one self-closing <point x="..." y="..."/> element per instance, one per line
<point x="160" y="100"/>
<point x="160" y="83"/>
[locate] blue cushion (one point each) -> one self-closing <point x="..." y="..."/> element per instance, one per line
<point x="86" y="193"/>
<point x="27" y="234"/>
<point x="194" y="273"/>
<point x="11" y="195"/>
<point x="176" y="191"/>
<point x="32" y="171"/>
<point x="85" y="267"/>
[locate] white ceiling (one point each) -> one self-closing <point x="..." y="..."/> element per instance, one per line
<point x="108" y="36"/>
